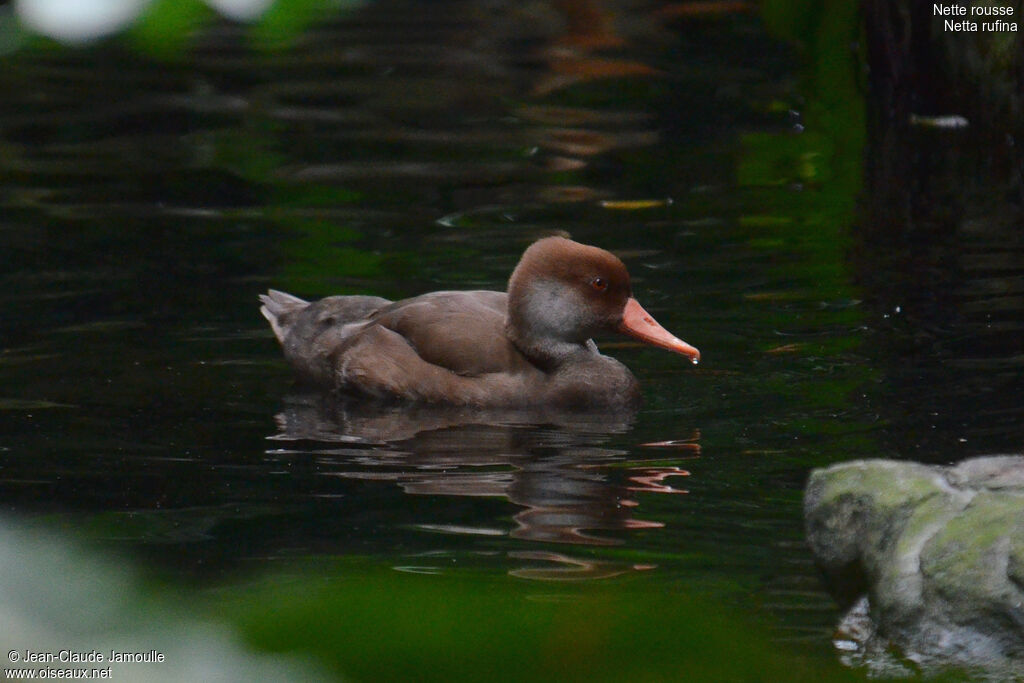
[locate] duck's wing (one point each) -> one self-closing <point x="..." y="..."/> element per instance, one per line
<point x="445" y="347"/>
<point x="462" y="332"/>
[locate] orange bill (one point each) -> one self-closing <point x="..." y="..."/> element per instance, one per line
<point x="636" y="322"/>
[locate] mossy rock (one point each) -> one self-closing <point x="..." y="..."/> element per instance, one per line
<point x="935" y="553"/>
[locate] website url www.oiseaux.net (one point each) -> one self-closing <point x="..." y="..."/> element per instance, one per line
<point x="50" y="673"/>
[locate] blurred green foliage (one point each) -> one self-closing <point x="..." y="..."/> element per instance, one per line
<point x="166" y="28"/>
<point x="363" y="620"/>
<point x="372" y="623"/>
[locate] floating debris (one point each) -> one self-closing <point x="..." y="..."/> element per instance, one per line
<point x="786" y="348"/>
<point x="635" y="204"/>
<point x="951" y="121"/>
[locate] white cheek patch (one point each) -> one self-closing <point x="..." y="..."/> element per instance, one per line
<point x="554" y="310"/>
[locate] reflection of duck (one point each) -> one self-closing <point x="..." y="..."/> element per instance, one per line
<point x="531" y="346"/>
<point x="553" y="464"/>
<point x="325" y="418"/>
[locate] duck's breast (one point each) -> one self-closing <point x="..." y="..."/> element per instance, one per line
<point x="593" y="382"/>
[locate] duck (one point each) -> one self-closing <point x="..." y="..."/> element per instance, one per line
<point x="531" y="346"/>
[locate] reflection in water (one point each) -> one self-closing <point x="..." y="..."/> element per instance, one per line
<point x="651" y="479"/>
<point x="574" y="55"/>
<point x="556" y="466"/>
<point x="570" y="568"/>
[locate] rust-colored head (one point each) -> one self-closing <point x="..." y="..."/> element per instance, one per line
<point x="565" y="292"/>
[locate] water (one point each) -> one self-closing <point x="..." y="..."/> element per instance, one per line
<point x="146" y="406"/>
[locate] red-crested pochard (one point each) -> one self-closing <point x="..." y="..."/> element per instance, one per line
<point x="529" y="347"/>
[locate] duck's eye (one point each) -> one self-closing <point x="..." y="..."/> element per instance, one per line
<point x="599" y="283"/>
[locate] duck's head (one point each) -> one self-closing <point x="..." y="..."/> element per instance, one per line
<point x="562" y="293"/>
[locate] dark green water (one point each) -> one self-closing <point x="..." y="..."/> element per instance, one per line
<point x="400" y="149"/>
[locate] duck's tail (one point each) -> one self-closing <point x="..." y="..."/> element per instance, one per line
<point x="276" y="306"/>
